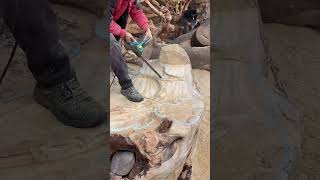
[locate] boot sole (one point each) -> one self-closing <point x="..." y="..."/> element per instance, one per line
<point x="130" y="99"/>
<point x="41" y="99"/>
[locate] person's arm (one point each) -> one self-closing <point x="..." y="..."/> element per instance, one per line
<point x="115" y="29"/>
<point x="139" y="17"/>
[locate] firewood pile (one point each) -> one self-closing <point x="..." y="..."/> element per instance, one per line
<point x="167" y="17"/>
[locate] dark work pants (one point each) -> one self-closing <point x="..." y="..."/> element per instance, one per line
<point x="118" y="65"/>
<point x="34" y="26"/>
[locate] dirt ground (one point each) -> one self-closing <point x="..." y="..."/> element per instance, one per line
<point x="295" y="52"/>
<point x="201" y="157"/>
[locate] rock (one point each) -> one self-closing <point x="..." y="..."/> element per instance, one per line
<point x="122" y="163"/>
<point x="162" y="129"/>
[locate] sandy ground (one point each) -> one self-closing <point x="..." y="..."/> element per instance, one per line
<point x="295" y="52"/>
<point x="201" y="158"/>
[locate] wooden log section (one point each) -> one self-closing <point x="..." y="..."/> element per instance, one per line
<point x="159" y="132"/>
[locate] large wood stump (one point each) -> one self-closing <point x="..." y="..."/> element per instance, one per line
<point x="160" y="131"/>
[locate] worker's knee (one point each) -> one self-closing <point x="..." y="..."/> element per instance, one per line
<point x="114" y="43"/>
<point x="112" y="38"/>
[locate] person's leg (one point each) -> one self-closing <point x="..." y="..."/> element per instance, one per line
<point x="34" y="27"/>
<point x="118" y="65"/>
<point x="120" y="69"/>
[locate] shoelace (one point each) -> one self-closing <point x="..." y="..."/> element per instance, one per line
<point x="132" y="90"/>
<point x="66" y="90"/>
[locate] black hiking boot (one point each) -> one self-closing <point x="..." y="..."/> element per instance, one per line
<point x="132" y="94"/>
<point x="71" y="104"/>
